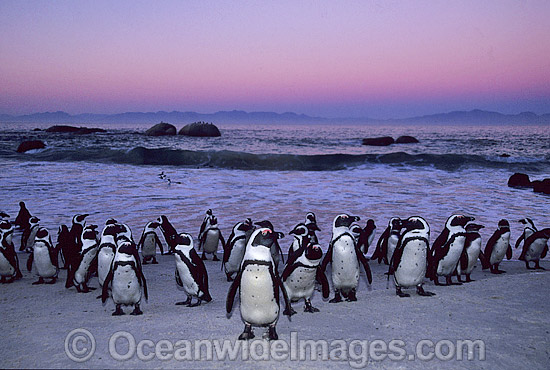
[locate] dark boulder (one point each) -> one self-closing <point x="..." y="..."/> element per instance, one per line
<point x="406" y="140"/>
<point x="73" y="129"/>
<point x="161" y="129"/>
<point x="29" y="145"/>
<point x="200" y="129"/>
<point x="541" y="186"/>
<point x="519" y="180"/>
<point x="379" y="141"/>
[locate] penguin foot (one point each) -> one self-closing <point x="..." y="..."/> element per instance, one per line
<point x="215" y="258"/>
<point x="99" y="296"/>
<point x="469" y="279"/>
<point x="229" y="278"/>
<point x="351" y="296"/>
<point x="145" y="262"/>
<point x="40" y="281"/>
<point x="337" y="298"/>
<point x="400" y="293"/>
<point x="540" y="268"/>
<point x="247" y="333"/>
<point x="187" y="302"/>
<point x="118" y="311"/>
<point x="136" y="311"/>
<point x="272" y="333"/>
<point x="421" y="292"/>
<point x="155" y="261"/>
<point x="289" y="311"/>
<point x="52" y="281"/>
<point x="197" y="303"/>
<point x="310" y="308"/>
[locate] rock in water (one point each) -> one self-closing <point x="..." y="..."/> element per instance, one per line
<point x="519" y="180"/>
<point x="161" y="129"/>
<point x="29" y="145"/>
<point x="541" y="186"/>
<point x="200" y="129"/>
<point x="406" y="140"/>
<point x="379" y="141"/>
<point x="73" y="129"/>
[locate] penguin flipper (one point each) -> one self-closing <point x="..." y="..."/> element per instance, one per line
<point x="509" y="252"/>
<point x="233" y="291"/>
<point x="522" y="237"/>
<point x="140" y="243"/>
<point x="490" y="244"/>
<point x="484" y="261"/>
<point x="327" y="259"/>
<point x="464" y="260"/>
<point x="280" y="251"/>
<point x="279" y="284"/>
<point x="178" y="278"/>
<point x="200" y="272"/>
<point x="322" y="279"/>
<point x="544" y="251"/>
<point x="29" y="262"/>
<point x="105" y="288"/>
<point x="157" y="241"/>
<point x="382" y="246"/>
<point x="365" y="264"/>
<point x="54" y="254"/>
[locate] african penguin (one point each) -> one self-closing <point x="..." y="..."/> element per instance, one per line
<point x="44" y="258"/>
<point x="80" y="275"/>
<point x="410" y="258"/>
<point x="210" y="237"/>
<point x="276" y="252"/>
<point x="367" y="236"/>
<point x="472" y="251"/>
<point x="258" y="284"/>
<point x="106" y="251"/>
<point x="27" y="239"/>
<point x="191" y="274"/>
<point x="148" y="242"/>
<point x="9" y="263"/>
<point x="235" y="247"/>
<point x="300" y="234"/>
<point x="311" y="224"/>
<point x="23" y="217"/>
<point x="345" y="258"/>
<point x="169" y="232"/>
<point x="497" y="247"/>
<point x="125" y="279"/>
<point x="447" y="249"/>
<point x="388" y="241"/>
<point x="64" y="244"/>
<point x="535" y="247"/>
<point x="528" y="230"/>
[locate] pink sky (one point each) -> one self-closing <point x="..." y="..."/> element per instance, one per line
<point x="377" y="59"/>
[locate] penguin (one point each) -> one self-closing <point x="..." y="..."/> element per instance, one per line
<point x="311" y="224"/>
<point x="205" y="221"/>
<point x="44" y="258"/>
<point x="447" y="249"/>
<point x="357" y="232"/>
<point x="300" y="233"/>
<point x="410" y="258"/>
<point x="209" y="238"/>
<point x="80" y="275"/>
<point x="4" y="216"/>
<point x="345" y="257"/>
<point x="528" y="230"/>
<point x="301" y="272"/>
<point x="106" y="251"/>
<point x="258" y="284"/>
<point x="535" y="247"/>
<point x="64" y="244"/>
<point x="169" y="232"/>
<point x="27" y="239"/>
<point x="235" y="246"/>
<point x="23" y="217"/>
<point x="472" y="251"/>
<point x="276" y="252"/>
<point x="124" y="231"/>
<point x="366" y="236"/>
<point x="388" y="241"/>
<point x="72" y="255"/>
<point x="191" y="274"/>
<point x="148" y="243"/>
<point x="125" y="279"/>
<point x="9" y="263"/>
<point x="497" y="247"/>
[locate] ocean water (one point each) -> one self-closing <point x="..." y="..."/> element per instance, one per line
<point x="277" y="172"/>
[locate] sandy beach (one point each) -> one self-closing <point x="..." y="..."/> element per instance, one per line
<point x="507" y="315"/>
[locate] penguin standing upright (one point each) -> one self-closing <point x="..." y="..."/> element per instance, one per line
<point x="300" y="233"/>
<point x="235" y="246"/>
<point x="447" y="249"/>
<point x="388" y="241"/>
<point x="64" y="244"/>
<point x="106" y="251"/>
<point x="301" y="272"/>
<point x="80" y="275"/>
<point x="23" y="217"/>
<point x="410" y="258"/>
<point x="44" y="258"/>
<point x="258" y="284"/>
<point x="148" y="243"/>
<point x="169" y="232"/>
<point x="210" y="237"/>
<point x="497" y="247"/>
<point x="311" y="224"/>
<point x="528" y="230"/>
<point x="191" y="274"/>
<point x="9" y="263"/>
<point x="345" y="257"/>
<point x="276" y="252"/>
<point x="367" y="236"/>
<point x="535" y="247"/>
<point x="29" y="234"/>
<point x="72" y="255"/>
<point x="209" y="213"/>
<point x="472" y="251"/>
<point x="125" y="279"/>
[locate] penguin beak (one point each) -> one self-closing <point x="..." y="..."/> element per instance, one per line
<point x="356" y="218"/>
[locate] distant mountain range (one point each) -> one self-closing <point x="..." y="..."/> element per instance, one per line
<point x="474" y="117"/>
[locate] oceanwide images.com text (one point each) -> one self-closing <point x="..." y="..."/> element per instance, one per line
<point x="80" y="346"/>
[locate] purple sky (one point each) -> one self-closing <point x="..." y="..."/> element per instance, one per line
<point x="379" y="59"/>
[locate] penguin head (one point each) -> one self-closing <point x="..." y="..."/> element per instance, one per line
<point x="184" y="239"/>
<point x="313" y="252"/>
<point x="312" y="227"/>
<point x="34" y="220"/>
<point x="415" y="223"/>
<point x="153" y="224"/>
<point x="127" y="247"/>
<point x="89" y="232"/>
<point x="356" y="230"/>
<point x="395" y="224"/>
<point x="110" y="221"/>
<point x="310" y="218"/>
<point x="5" y="227"/>
<point x="4" y="215"/>
<point x="213" y="220"/>
<point x="458" y="220"/>
<point x="370" y="224"/>
<point x="42" y="233"/>
<point x="473" y="228"/>
<point x="111" y="229"/>
<point x="80" y="219"/>
<point x="162" y="220"/>
<point x="264" y="224"/>
<point x="503" y="224"/>
<point x="265" y="237"/>
<point x="244" y="226"/>
<point x="299" y="231"/>
<point x="209" y="212"/>
<point x="345" y="220"/>
<point x="527" y="222"/>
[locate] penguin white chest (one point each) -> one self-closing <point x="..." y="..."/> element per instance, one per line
<point x="473" y="254"/>
<point x="104" y="260"/>
<point x="412" y="267"/>
<point x="300" y="283"/>
<point x="448" y="263"/>
<point x="392" y="244"/>
<point x="190" y="286"/>
<point x="236" y="256"/>
<point x="44" y="266"/>
<point x="211" y="241"/>
<point x="345" y="266"/>
<point x="125" y="287"/>
<point x="149" y="246"/>
<point x="258" y="304"/>
<point x="81" y="274"/>
<point x="499" y="249"/>
<point x="535" y="249"/>
<point x="6" y="269"/>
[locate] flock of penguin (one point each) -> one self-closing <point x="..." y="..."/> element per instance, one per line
<point x="252" y="255"/>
